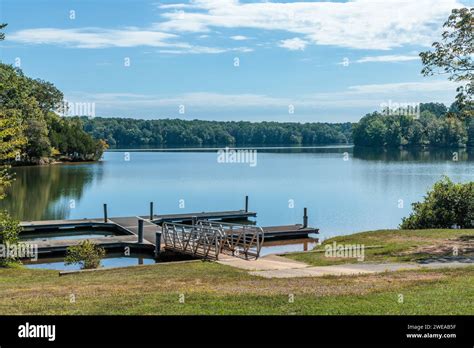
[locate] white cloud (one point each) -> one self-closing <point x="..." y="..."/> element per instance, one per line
<point x="189" y="49"/>
<point x="388" y="58"/>
<point x="362" y="24"/>
<point x="104" y="38"/>
<point x="404" y="87"/>
<point x="361" y="96"/>
<point x="193" y="99"/>
<point x="175" y="6"/>
<point x="295" y="44"/>
<point x="239" y="37"/>
<point x="93" y="37"/>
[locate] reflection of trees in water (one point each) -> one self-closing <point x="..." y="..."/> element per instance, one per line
<point x="330" y="149"/>
<point x="413" y="154"/>
<point x="45" y="192"/>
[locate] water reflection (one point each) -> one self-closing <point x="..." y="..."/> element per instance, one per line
<point x="364" y="153"/>
<point x="110" y="261"/>
<point x="289" y="245"/>
<point x="413" y="154"/>
<point x="49" y="192"/>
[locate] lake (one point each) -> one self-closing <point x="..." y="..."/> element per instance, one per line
<point x="345" y="189"/>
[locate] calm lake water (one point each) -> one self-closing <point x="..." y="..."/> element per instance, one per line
<point x="112" y="260"/>
<point x="345" y="190"/>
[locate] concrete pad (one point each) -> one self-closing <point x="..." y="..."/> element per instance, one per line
<point x="269" y="262"/>
<point x="310" y="272"/>
<point x="352" y="269"/>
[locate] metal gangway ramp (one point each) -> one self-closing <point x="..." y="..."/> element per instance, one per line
<point x="244" y="241"/>
<point x="207" y="239"/>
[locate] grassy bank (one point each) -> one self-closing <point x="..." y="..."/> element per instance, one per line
<point x="394" y="246"/>
<point x="211" y="288"/>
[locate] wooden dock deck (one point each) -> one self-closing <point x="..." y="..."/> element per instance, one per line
<point x="63" y="224"/>
<point x="126" y="226"/>
<point x="288" y="231"/>
<point x="131" y="225"/>
<point x="215" y="215"/>
<point x="61" y="245"/>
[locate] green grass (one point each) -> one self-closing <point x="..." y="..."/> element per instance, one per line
<point x="387" y="246"/>
<point x="211" y="288"/>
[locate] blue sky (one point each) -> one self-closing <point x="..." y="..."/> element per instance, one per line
<point x="297" y="61"/>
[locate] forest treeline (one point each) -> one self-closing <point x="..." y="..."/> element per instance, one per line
<point x="119" y="132"/>
<point x="434" y="126"/>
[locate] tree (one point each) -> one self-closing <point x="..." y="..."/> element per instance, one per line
<point x="33" y="102"/>
<point x="453" y="132"/>
<point x="11" y="141"/>
<point x="446" y="205"/>
<point x="454" y="55"/>
<point x="437" y="109"/>
<point x="2" y="35"/>
<point x="447" y="131"/>
<point x="47" y="133"/>
<point x="11" y="138"/>
<point x="49" y="98"/>
<point x="393" y="135"/>
<point x="370" y="131"/>
<point x="470" y="132"/>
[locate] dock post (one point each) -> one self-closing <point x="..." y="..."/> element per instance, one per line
<point x="105" y="213"/>
<point x="246" y="204"/>
<point x="305" y="218"/>
<point x="140" y="231"/>
<point x="157" y="243"/>
<point x="151" y="211"/>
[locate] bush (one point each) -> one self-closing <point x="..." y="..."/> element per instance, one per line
<point x="9" y="231"/>
<point x="86" y="253"/>
<point x="448" y="204"/>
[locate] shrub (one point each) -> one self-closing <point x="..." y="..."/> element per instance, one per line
<point x="446" y="205"/>
<point x="9" y="231"/>
<point x="86" y="253"/>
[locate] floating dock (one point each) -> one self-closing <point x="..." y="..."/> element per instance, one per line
<point x="145" y="232"/>
<point x="130" y="226"/>
<point x="116" y="242"/>
<point x="126" y="230"/>
<point x="288" y="232"/>
<point x="216" y="215"/>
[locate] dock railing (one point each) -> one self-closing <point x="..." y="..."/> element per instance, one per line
<point x="197" y="240"/>
<point x="239" y="240"/>
<point x="207" y="239"/>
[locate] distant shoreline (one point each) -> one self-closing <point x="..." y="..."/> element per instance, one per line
<point x="197" y="149"/>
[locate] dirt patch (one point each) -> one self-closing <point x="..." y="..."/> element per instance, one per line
<point x="463" y="245"/>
